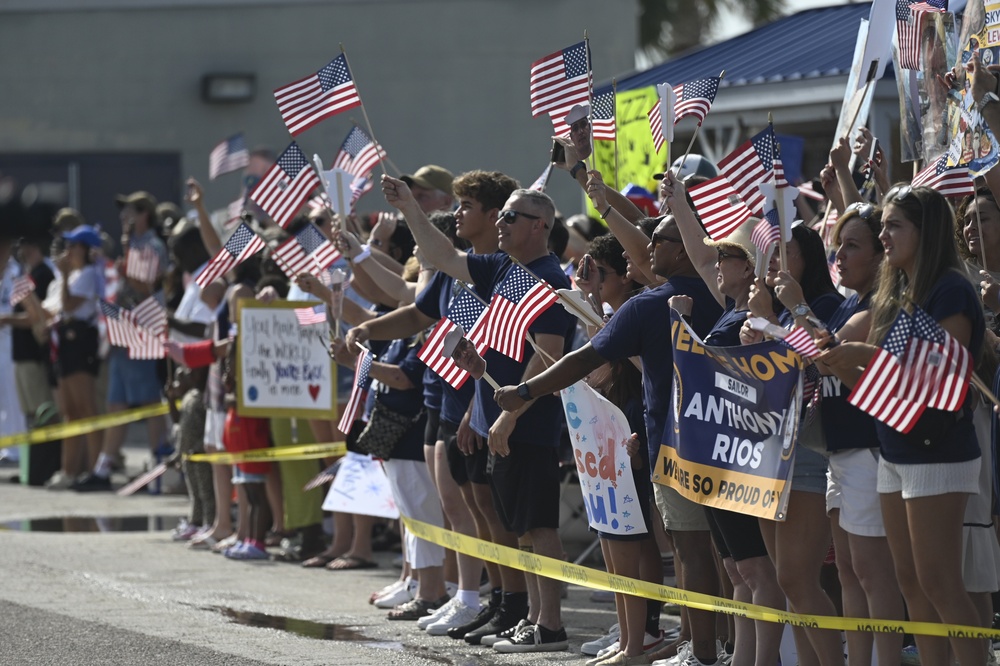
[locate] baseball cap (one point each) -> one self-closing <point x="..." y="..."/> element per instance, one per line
<point x="431" y="177"/>
<point x="139" y="200"/>
<point x="84" y="235"/>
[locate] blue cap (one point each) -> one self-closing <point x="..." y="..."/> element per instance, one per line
<point x="85" y="235"/>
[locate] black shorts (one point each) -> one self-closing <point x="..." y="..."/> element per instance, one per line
<point x="464" y="469"/>
<point x="78" y="341"/>
<point x="431" y="428"/>
<point x="525" y="487"/>
<point x="736" y="535"/>
<point x="643" y="498"/>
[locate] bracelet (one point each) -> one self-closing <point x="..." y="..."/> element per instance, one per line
<point x="365" y="253"/>
<point x="579" y="166"/>
<point x="377" y="242"/>
<point x="604" y="215"/>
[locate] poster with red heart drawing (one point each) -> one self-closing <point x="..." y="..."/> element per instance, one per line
<point x="283" y="367"/>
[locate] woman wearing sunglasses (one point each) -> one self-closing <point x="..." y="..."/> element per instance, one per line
<point x="925" y="477"/>
<point x="727" y="266"/>
<point x="864" y="564"/>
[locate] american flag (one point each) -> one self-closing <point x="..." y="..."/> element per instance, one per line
<point x="750" y="165"/>
<point x="124" y="331"/>
<point x="358" y="154"/>
<point x="809" y="191"/>
<point x="468" y="312"/>
<point x="560" y="80"/>
<point x="360" y="187"/>
<point x="361" y="370"/>
<point x="799" y="339"/>
<point x="151" y="316"/>
<point x="308" y="250"/>
<point x="936" y="368"/>
<point x="142" y="264"/>
<point x="719" y="206"/>
<point x="309" y="316"/>
<point x="518" y="300"/>
<point x="767" y="231"/>
<point x="695" y="98"/>
<point x="656" y="126"/>
<point x="318" y="96"/>
<point x="21" y="289"/>
<point x="286" y="186"/>
<point x="543" y="180"/>
<point x="950" y="181"/>
<point x="909" y="24"/>
<point x="602" y="118"/>
<point x="875" y="391"/>
<point x="230" y="155"/>
<point x="242" y="245"/>
<point x="233" y="213"/>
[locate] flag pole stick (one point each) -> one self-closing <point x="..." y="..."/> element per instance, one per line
<point x="614" y="114"/>
<point x="984" y="389"/>
<point x="780" y="201"/>
<point x="590" y="100"/>
<point x="979" y="229"/>
<point x="697" y="129"/>
<point x="364" y="113"/>
<point x="549" y="361"/>
<point x="826" y="227"/>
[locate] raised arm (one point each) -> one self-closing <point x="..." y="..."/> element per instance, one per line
<point x="435" y="246"/>
<point x="209" y="236"/>
<point x="578" y="171"/>
<point x="396" y="289"/>
<point x="702" y="256"/>
<point x="630" y="236"/>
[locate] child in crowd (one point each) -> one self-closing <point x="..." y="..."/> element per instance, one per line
<point x="187" y="436"/>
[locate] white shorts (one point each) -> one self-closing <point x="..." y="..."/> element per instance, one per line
<point x="851" y="487"/>
<point x="215" y="421"/>
<point x="417" y="498"/>
<point x="930" y="479"/>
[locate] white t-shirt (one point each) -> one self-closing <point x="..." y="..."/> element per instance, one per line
<point x="85" y="283"/>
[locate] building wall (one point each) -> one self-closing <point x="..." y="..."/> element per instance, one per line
<point x="443" y="81"/>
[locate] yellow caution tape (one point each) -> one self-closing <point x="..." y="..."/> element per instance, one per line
<point x="601" y="580"/>
<point x="83" y="426"/>
<point x="280" y="453"/>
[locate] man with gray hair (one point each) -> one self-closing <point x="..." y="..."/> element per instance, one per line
<point x="523" y="443"/>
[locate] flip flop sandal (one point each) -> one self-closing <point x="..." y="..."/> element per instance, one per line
<point x="319" y="561"/>
<point x="351" y="563"/>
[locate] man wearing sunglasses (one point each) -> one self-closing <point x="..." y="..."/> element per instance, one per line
<point x="639" y="328"/>
<point x="523" y="443"/>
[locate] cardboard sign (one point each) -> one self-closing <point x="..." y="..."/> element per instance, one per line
<point x="282" y="367"/>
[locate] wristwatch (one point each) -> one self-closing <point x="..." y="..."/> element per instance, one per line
<point x="522" y="391"/>
<point x="800" y="310"/>
<point x="987" y="99"/>
<point x="580" y="166"/>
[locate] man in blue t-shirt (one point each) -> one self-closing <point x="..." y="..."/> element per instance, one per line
<point x="461" y="475"/>
<point x="523" y="443"/>
<point x="641" y="328"/>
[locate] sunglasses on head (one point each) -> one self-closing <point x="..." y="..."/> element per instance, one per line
<point x="898" y="193"/>
<point x="861" y="209"/>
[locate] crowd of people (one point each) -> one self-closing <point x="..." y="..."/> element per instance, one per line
<point x="907" y="518"/>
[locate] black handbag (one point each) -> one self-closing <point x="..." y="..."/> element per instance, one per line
<point x="384" y="431"/>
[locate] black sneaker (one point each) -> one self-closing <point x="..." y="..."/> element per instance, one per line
<point x="485" y="615"/>
<point x="511" y="611"/>
<point x="91" y="483"/>
<point x="506" y="634"/>
<point x="534" y="638"/>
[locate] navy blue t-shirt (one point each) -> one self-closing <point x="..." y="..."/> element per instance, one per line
<point x="541" y="423"/>
<point x="952" y="294"/>
<point x="409" y="402"/>
<point x="641" y="327"/>
<point x="434" y="302"/>
<point x="844" y="425"/>
<point x="726" y="332"/>
<point x="823" y="306"/>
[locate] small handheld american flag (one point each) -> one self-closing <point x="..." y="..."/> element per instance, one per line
<point x="950" y="181"/>
<point x="361" y="371"/>
<point x="142" y="265"/>
<point x="720" y="208"/>
<point x="936" y="366"/>
<point x="468" y="312"/>
<point x="751" y="164"/>
<point x="21" y="289"/>
<point x="358" y="154"/>
<point x="561" y="80"/>
<point x="308" y="250"/>
<point x="124" y="331"/>
<point x="286" y="186"/>
<point x="243" y="244"/>
<point x="319" y="96"/>
<point x="229" y="155"/>
<point x="519" y="299"/>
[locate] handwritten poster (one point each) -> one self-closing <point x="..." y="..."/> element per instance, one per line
<point x="362" y="487"/>
<point x="598" y="431"/>
<point x="282" y="367"/>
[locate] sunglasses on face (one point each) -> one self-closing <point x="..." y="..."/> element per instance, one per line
<point x="723" y="255"/>
<point x="510" y="216"/>
<point x="657" y="239"/>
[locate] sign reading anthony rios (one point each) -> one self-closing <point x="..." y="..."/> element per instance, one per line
<point x="731" y="436"/>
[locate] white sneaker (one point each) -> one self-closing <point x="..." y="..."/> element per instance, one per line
<point x="683" y="652"/>
<point x="610" y="650"/>
<point x="400" y="595"/>
<point x="594" y="647"/>
<point x="456" y="616"/>
<point x="435" y="614"/>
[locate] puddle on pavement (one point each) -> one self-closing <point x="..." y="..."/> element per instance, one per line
<point x="319" y="630"/>
<point x="149" y="523"/>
